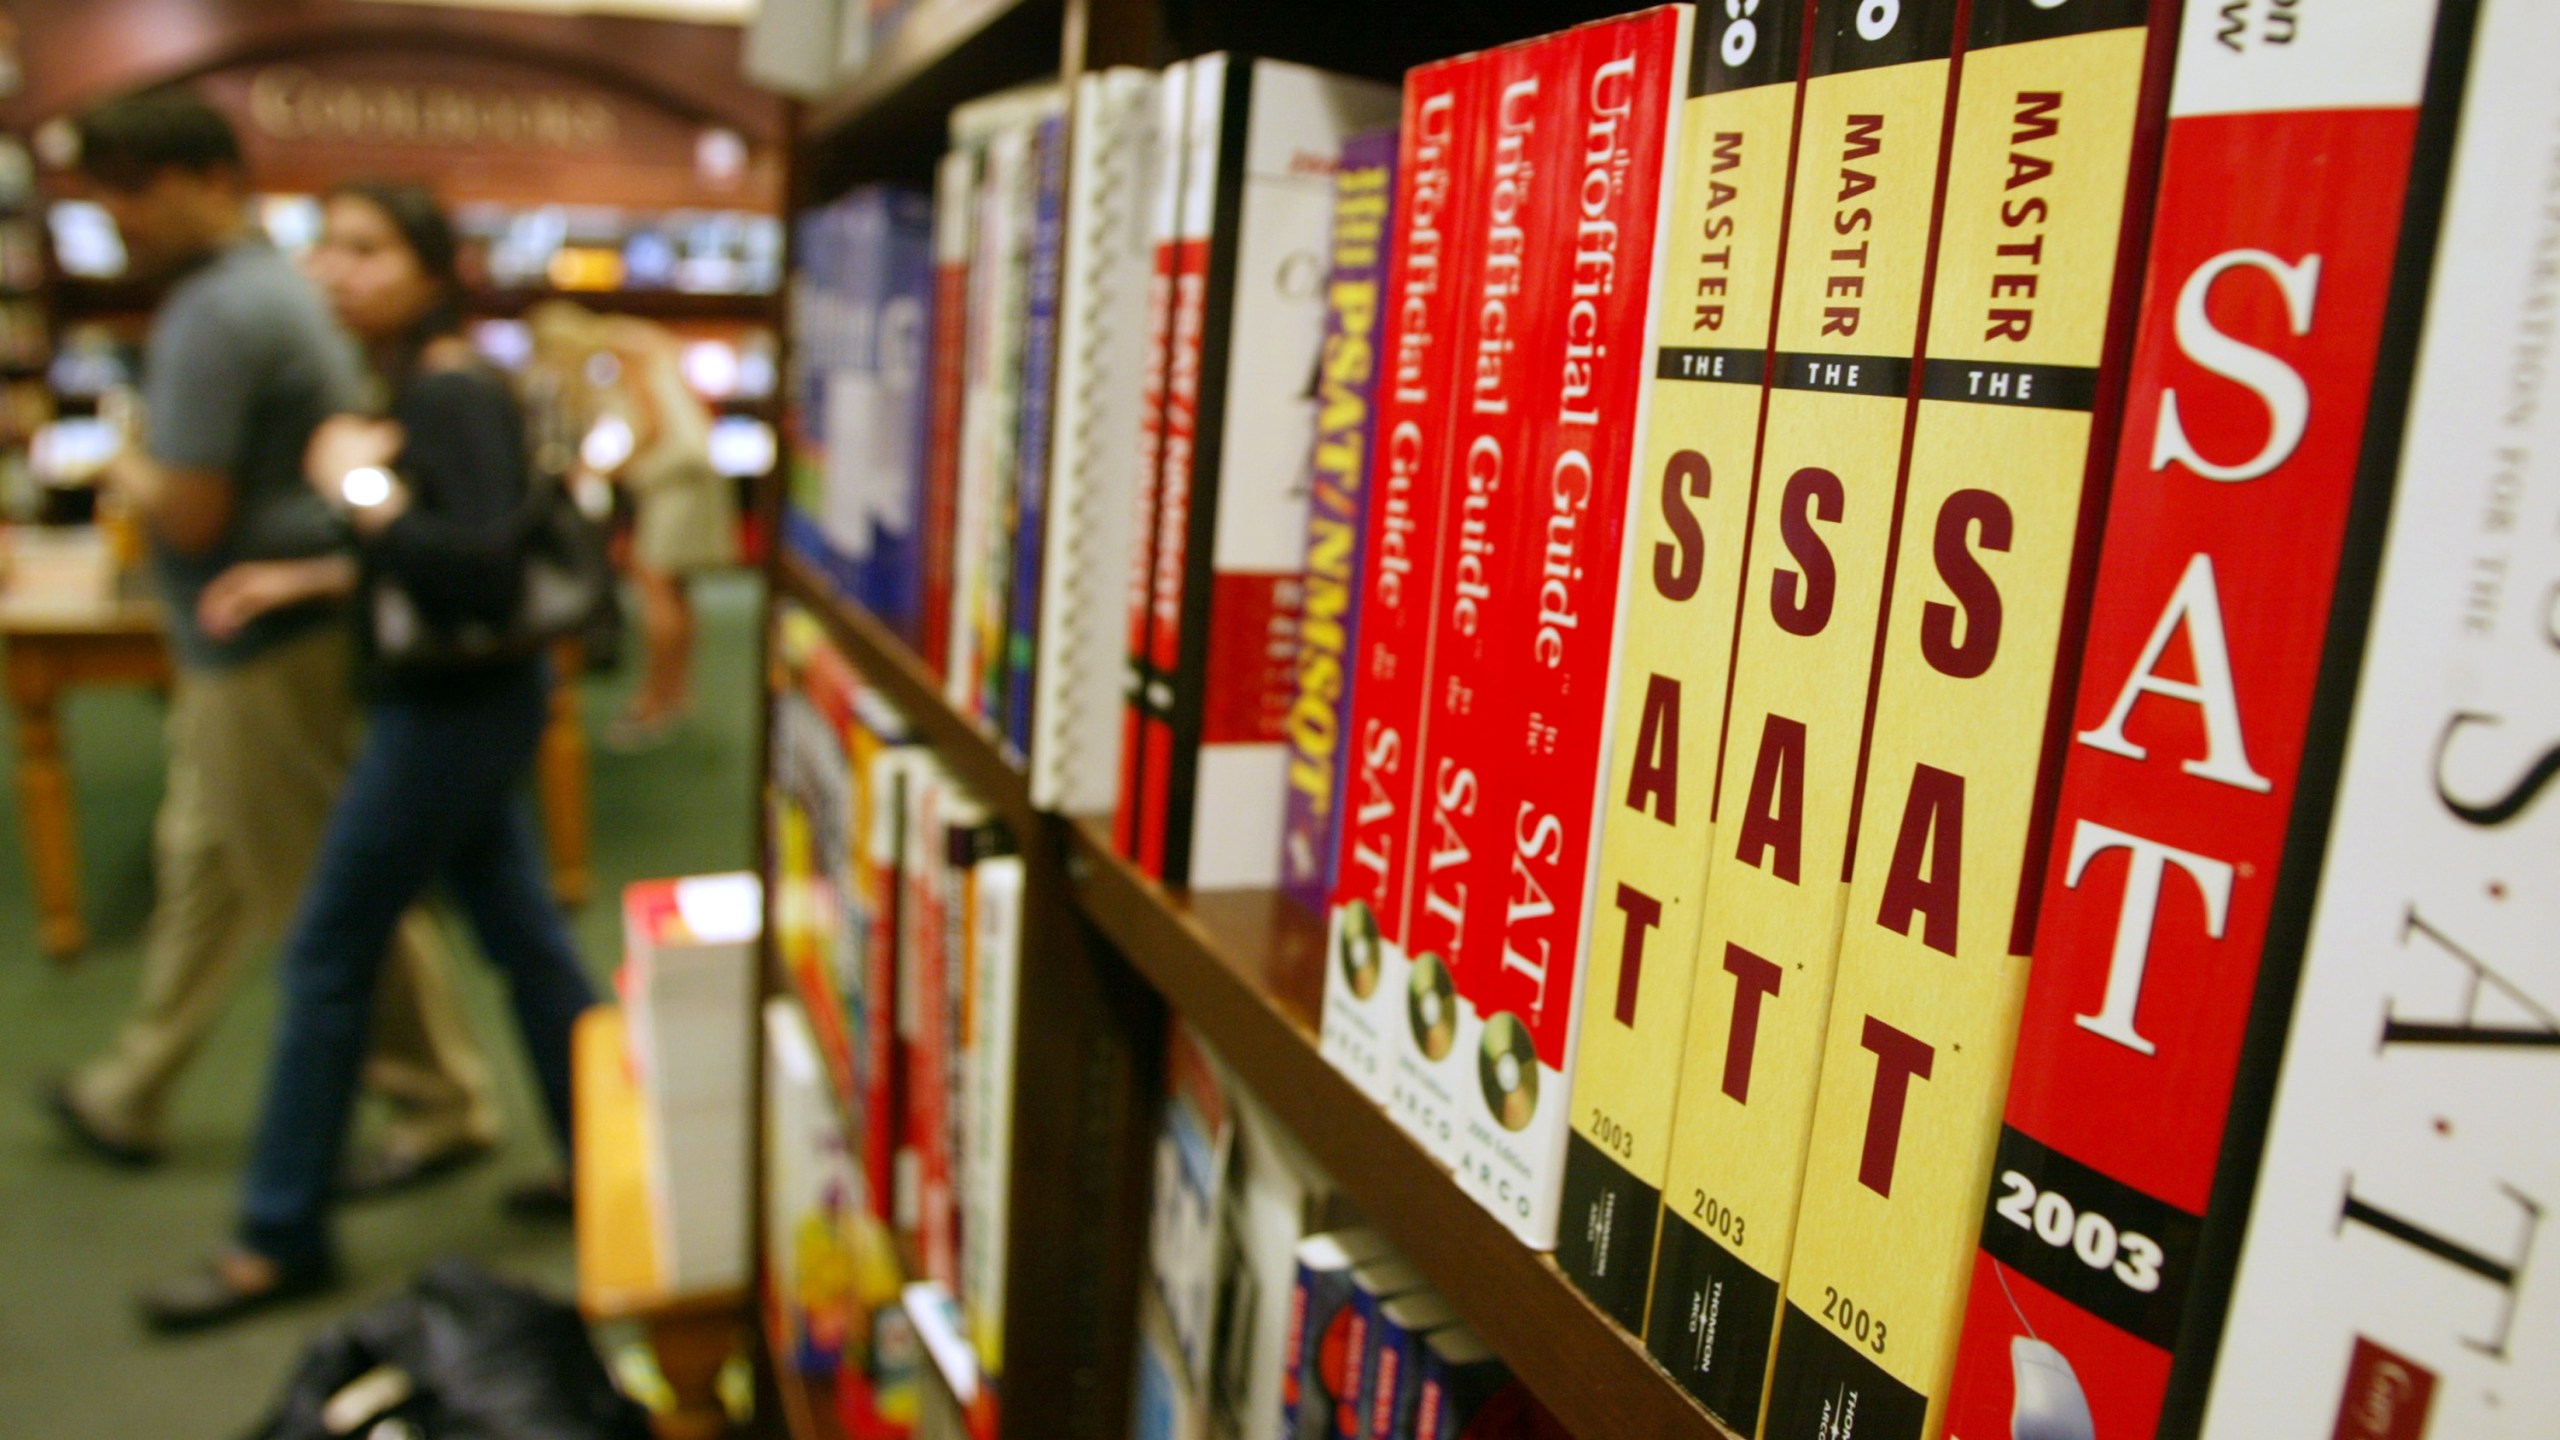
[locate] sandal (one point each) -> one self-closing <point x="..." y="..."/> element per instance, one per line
<point x="214" y="1293"/>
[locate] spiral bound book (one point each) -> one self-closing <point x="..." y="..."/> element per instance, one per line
<point x="1092" y="505"/>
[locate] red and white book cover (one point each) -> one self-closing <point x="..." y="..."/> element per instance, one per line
<point x="1263" y="140"/>
<point x="1204" y="112"/>
<point x="1164" y="226"/>
<point x="955" y="183"/>
<point x="2279" y="218"/>
<point x="2397" y="1278"/>
<point x="1553" y="645"/>
<point x="1463" y="783"/>
<point x="1438" y="178"/>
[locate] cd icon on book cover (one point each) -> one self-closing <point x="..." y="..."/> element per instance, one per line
<point x="1507" y="1066"/>
<point x="1358" y="949"/>
<point x="1431" y="1007"/>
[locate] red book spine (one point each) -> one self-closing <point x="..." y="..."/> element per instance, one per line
<point x="1172" y="546"/>
<point x="2262" y="317"/>
<point x="921" y="1117"/>
<point x="893" y="791"/>
<point x="1467" y="775"/>
<point x="942" y="459"/>
<point x="1160" y="285"/>
<point x="1554" y="641"/>
<point x="1430" y="265"/>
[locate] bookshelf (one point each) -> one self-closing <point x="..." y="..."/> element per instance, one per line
<point x="1110" y="951"/>
<point x="1245" y="969"/>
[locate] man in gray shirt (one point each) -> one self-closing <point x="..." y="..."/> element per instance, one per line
<point x="244" y="361"/>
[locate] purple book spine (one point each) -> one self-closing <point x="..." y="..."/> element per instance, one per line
<point x="1039" y="376"/>
<point x="904" y="361"/>
<point x="1346" y="392"/>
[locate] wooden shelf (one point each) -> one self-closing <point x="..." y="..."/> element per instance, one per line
<point x="1246" y="968"/>
<point x="935" y="33"/>
<point x="900" y="675"/>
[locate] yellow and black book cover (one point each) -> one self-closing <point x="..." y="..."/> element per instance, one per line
<point x="1719" y="303"/>
<point x="1932" y="958"/>
<point x="1868" y="174"/>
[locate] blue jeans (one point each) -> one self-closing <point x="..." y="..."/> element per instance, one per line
<point x="436" y="794"/>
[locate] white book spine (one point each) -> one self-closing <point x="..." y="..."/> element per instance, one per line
<point x="1296" y="119"/>
<point x="2399" y="1277"/>
<point x="1093" y="502"/>
<point x="987" y="1120"/>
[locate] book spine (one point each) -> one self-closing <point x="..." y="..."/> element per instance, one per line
<point x="1437" y="179"/>
<point x="2160" y="893"/>
<point x="1326" y="1375"/>
<point x="924" y="1161"/>
<point x="955" y="181"/>
<point x="1361" y="1342"/>
<point x="1017" y="161"/>
<point x="907" y="376"/>
<point x="1294" y="1352"/>
<point x="1826" y="506"/>
<point x="1216" y="99"/>
<point x="974" y="520"/>
<point x="994" y="1030"/>
<point x="2409" y="1132"/>
<point x="1454" y="897"/>
<point x="1719" y="291"/>
<point x="856" y="413"/>
<point x="2055" y="128"/>
<point x="1395" y="1384"/>
<point x="1039" y="375"/>
<point x="880" y="1074"/>
<point x="1164" y="229"/>
<point x="1261" y="336"/>
<point x="1567" y="574"/>
<point x="1102" y="343"/>
<point x="1328" y="615"/>
<point x="794" y="808"/>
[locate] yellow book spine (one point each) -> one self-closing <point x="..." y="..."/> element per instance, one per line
<point x="1831" y="463"/>
<point x="1931" y="969"/>
<point x="1719" y="299"/>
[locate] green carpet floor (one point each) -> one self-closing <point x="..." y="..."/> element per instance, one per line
<point x="76" y="1238"/>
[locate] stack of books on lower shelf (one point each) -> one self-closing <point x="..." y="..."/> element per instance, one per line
<point x="898" y="928"/>
<point x="1267" y="1316"/>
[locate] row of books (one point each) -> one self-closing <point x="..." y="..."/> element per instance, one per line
<point x="1266" y="1318"/>
<point x="2008" y="464"/>
<point x="898" y="921"/>
<point x="1872" y="495"/>
<point x="1087" y="504"/>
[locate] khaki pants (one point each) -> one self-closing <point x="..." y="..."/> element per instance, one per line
<point x="256" y="753"/>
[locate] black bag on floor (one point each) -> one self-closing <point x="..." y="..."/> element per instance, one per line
<point x="459" y="1355"/>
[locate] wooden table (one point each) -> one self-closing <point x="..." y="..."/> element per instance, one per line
<point x="693" y="1334"/>
<point x="64" y="625"/>
<point x="52" y="649"/>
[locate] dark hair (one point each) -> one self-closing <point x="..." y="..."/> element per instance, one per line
<point x="419" y="217"/>
<point x="125" y="144"/>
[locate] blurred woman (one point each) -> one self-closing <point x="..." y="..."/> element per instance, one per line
<point x="686" y="521"/>
<point x="645" y="429"/>
<point x="435" y="495"/>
